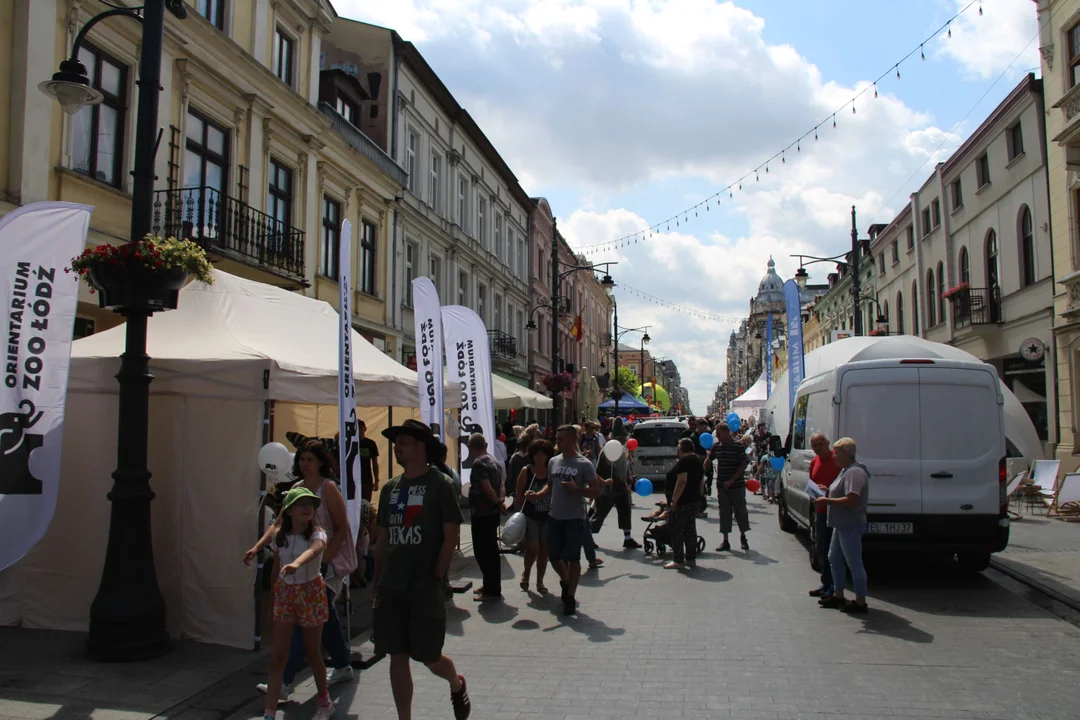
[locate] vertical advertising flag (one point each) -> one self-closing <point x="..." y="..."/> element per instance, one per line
<point x="349" y="433"/>
<point x="39" y="299"/>
<point x="429" y="353"/>
<point x="768" y="355"/>
<point x="468" y="360"/>
<point x="794" y="339"/>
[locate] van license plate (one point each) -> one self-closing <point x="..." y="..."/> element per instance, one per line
<point x="892" y="528"/>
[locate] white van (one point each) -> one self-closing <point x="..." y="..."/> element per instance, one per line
<point x="931" y="433"/>
<point x="658" y="442"/>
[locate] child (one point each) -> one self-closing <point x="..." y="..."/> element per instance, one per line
<point x="299" y="596"/>
<point x="768" y="475"/>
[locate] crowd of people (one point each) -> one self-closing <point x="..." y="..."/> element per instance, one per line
<point x="564" y="483"/>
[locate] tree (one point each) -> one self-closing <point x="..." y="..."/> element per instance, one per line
<point x="627" y="381"/>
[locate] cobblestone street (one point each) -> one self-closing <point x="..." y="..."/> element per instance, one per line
<point x="739" y="638"/>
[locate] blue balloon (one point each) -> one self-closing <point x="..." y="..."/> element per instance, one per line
<point x="732" y="418"/>
<point x="735" y="424"/>
<point x="707" y="440"/>
<point x="777" y="463"/>
<point x="643" y="487"/>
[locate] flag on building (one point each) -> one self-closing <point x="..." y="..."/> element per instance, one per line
<point x="576" y="330"/>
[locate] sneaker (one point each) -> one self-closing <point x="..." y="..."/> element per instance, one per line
<point x="724" y="547"/>
<point x="673" y="566"/>
<point x="460" y="701"/>
<point x="570" y="607"/>
<point x="831" y="602"/>
<point x="854" y="608"/>
<point x="340" y="675"/>
<point x="819" y="592"/>
<point x="324" y="712"/>
<point x="565" y="597"/>
<point x="631" y="544"/>
<point x="745" y="542"/>
<point x="286" y="690"/>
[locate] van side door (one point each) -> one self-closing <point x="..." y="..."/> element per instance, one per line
<point x="880" y="411"/>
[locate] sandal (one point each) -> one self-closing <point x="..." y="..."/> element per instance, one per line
<point x="524" y="584"/>
<point x="596" y="563"/>
<point x="541" y="588"/>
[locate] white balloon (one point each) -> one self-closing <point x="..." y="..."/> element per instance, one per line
<point x="275" y="459"/>
<point x="465" y="489"/>
<point x="613" y="450"/>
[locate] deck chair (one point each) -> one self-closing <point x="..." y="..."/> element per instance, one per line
<point x="1010" y="490"/>
<point x="1066" y="500"/>
<point x="1044" y="475"/>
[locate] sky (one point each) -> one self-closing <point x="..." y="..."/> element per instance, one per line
<point x="624" y="113"/>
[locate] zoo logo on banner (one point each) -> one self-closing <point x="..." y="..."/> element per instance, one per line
<point x="39" y="299"/>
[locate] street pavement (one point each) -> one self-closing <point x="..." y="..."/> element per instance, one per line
<point x="736" y="638"/>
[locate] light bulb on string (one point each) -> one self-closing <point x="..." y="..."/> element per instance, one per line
<point x="834" y="120"/>
<point x="980" y="9"/>
<point x="798" y="146"/>
<point x="949" y="33"/>
<point x="815" y="133"/>
<point x="875" y="91"/>
<point x="852" y="107"/>
<point x="897" y="72"/>
<point x="921" y="53"/>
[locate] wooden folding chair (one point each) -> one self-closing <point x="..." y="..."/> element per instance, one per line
<point x="1044" y="476"/>
<point x="1065" y="502"/>
<point x="1010" y="492"/>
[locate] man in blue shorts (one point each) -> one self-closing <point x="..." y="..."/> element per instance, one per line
<point x="572" y="482"/>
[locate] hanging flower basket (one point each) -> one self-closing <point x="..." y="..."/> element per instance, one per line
<point x="562" y="382"/>
<point x="960" y="290"/>
<point x="144" y="276"/>
<point x="878" y="332"/>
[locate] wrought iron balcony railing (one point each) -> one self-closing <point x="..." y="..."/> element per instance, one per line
<point x="503" y="345"/>
<point x="363" y="144"/>
<point x="976" y="306"/>
<point x="228" y="227"/>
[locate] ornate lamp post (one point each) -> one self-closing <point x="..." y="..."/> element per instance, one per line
<point x="127" y="617"/>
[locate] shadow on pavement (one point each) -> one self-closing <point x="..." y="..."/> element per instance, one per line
<point x="455" y="616"/>
<point x="496" y="612"/>
<point x="883" y="622"/>
<point x="596" y="631"/>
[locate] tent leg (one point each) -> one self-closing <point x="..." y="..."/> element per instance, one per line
<point x="268" y="434"/>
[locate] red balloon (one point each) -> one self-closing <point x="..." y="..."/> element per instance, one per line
<point x="502" y="437"/>
<point x="631" y="444"/>
<point x="753" y="485"/>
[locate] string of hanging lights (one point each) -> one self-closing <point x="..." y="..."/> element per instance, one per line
<point x="692" y="312"/>
<point x="687" y="351"/>
<point x="795" y="147"/>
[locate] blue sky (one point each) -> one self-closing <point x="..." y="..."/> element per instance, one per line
<point x="625" y="112"/>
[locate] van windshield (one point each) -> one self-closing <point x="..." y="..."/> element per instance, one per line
<point x="658" y="436"/>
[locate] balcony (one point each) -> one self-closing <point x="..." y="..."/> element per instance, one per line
<point x="229" y="228"/>
<point x="364" y="145"/>
<point x="503" y="346"/>
<point x="976" y="306"/>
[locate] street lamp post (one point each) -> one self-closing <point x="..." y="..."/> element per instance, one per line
<point x="852" y="265"/>
<point x="127" y="617"/>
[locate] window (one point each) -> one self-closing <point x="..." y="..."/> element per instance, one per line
<point x="284" y="48"/>
<point x="98" y="130"/>
<point x="935" y="210"/>
<point x="368" y="239"/>
<point x="1027" y="248"/>
<point x="992" y="274"/>
<point x="910" y="238"/>
<point x="206" y="163"/>
<point x="346" y="109"/>
<point x="511" y="249"/>
<point x="481" y="301"/>
<point x="931" y="306"/>
<point x="965" y="266"/>
<point x="481" y="206"/>
<point x="881" y="264"/>
<point x="412" y="142"/>
<point x="1015" y="141"/>
<point x="463" y="288"/>
<point x="895" y="252"/>
<point x="498" y="237"/>
<point x="463" y="204"/>
<point x="900" y="312"/>
<point x="914" y="308"/>
<point x="280" y="196"/>
<point x="212" y="10"/>
<point x="957" y="195"/>
<point x="941" y="291"/>
<point x="84" y="327"/>
<point x="433" y="182"/>
<point x="798" y="435"/>
<point x="498" y="323"/>
<point x="982" y="171"/>
<point x="435" y="272"/>
<point x="331" y="238"/>
<point x="1073" y="51"/>
<point x="885" y="314"/>
<point x="926" y="227"/>
<point x="410" y="272"/>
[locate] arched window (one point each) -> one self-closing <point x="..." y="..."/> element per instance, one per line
<point x="931" y="306"/>
<point x="914" y="308"/>
<point x="965" y="265"/>
<point x="1027" y="247"/>
<point x="992" y="271"/>
<point x="885" y="313"/>
<point x="900" y="312"/>
<point x="941" y="291"/>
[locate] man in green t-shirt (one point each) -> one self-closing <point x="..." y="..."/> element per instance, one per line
<point x="420" y="522"/>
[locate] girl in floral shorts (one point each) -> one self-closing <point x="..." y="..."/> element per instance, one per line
<point x="299" y="596"/>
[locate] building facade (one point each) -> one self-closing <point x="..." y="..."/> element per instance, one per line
<point x="463" y="219"/>
<point x="968" y="261"/>
<point x="247" y="164"/>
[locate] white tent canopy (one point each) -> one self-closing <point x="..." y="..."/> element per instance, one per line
<point x="1019" y="429"/>
<point x="509" y="394"/>
<point x="752" y="400"/>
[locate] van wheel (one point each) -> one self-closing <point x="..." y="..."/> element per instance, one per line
<point x="786" y="523"/>
<point x="973" y="561"/>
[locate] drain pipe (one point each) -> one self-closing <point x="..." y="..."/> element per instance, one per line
<point x="394" y="304"/>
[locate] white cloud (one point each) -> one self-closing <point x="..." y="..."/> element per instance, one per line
<point x="984" y="45"/>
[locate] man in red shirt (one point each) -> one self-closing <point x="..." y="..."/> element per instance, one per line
<point x="823" y="471"/>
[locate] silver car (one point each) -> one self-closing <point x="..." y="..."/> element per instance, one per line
<point x="658" y="443"/>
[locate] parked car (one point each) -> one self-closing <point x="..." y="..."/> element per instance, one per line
<point x="932" y="435"/>
<point x="657" y="446"/>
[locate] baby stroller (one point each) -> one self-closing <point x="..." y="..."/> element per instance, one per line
<point x="658" y="536"/>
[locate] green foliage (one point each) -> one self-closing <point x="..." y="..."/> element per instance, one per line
<point x="627" y="381"/>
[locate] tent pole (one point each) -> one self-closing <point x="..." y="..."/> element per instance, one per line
<point x="268" y="434"/>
